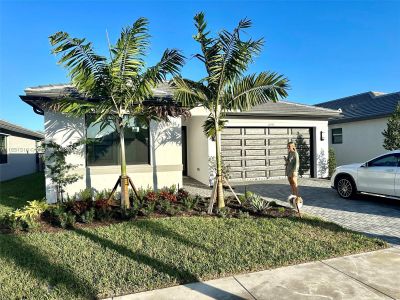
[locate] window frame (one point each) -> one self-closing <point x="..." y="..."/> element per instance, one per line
<point x="333" y="134"/>
<point x="118" y="162"/>
<point x="5" y="136"/>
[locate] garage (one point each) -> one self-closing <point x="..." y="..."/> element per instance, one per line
<point x="256" y="153"/>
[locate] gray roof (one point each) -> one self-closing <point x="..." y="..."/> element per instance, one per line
<point x="370" y="105"/>
<point x="38" y="96"/>
<point x="288" y="109"/>
<point x="12" y="129"/>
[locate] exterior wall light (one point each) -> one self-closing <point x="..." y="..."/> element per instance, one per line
<point x="322" y="135"/>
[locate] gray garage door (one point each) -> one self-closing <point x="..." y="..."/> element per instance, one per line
<point x="255" y="153"/>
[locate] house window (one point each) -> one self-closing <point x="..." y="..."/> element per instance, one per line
<point x="337" y="136"/>
<point x="3" y="149"/>
<point x="104" y="146"/>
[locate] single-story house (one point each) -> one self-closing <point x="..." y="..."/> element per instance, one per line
<point x="356" y="135"/>
<point x="19" y="153"/>
<point x="159" y="154"/>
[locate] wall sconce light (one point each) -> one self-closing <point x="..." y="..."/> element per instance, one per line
<point x="322" y="135"/>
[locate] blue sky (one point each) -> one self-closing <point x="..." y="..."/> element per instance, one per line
<point x="326" y="49"/>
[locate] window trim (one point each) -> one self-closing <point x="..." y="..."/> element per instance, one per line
<point x="149" y="158"/>
<point x="337" y="135"/>
<point x="5" y="148"/>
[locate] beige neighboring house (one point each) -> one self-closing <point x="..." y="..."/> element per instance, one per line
<point x="356" y="136"/>
<point x="160" y="154"/>
<point x="18" y="151"/>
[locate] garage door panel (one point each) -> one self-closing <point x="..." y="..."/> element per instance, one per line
<point x="254" y="131"/>
<point x="303" y="131"/>
<point x="235" y="175"/>
<point x="277" y="151"/>
<point x="229" y="153"/>
<point x="257" y="153"/>
<point x="256" y="174"/>
<point x="279" y="142"/>
<point x="233" y="163"/>
<point x="232" y="131"/>
<point x="235" y="142"/>
<point x="260" y="142"/>
<point x="256" y="162"/>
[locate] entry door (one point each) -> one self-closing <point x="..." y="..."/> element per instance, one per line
<point x="378" y="176"/>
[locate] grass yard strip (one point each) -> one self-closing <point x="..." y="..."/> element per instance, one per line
<point x="16" y="192"/>
<point x="130" y="257"/>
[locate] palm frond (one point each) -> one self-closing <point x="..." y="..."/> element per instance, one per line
<point x="129" y="50"/>
<point x="236" y="54"/>
<point x="255" y="89"/>
<point x="209" y="126"/>
<point x="190" y="93"/>
<point x="88" y="70"/>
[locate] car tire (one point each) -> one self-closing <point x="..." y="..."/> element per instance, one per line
<point x="345" y="187"/>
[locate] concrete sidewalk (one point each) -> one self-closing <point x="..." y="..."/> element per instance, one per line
<point x="372" y="275"/>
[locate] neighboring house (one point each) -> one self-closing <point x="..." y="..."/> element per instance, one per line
<point x="18" y="151"/>
<point x="356" y="136"/>
<point x="253" y="143"/>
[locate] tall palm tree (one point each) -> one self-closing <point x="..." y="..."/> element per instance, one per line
<point x="226" y="86"/>
<point x="115" y="88"/>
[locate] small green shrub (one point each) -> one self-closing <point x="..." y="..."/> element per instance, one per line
<point x="273" y="204"/>
<point x="102" y="209"/>
<point x="281" y="210"/>
<point x="58" y="216"/>
<point x="27" y="217"/>
<point x="256" y="201"/>
<point x="86" y="195"/>
<point x="189" y="203"/>
<point x="88" y="216"/>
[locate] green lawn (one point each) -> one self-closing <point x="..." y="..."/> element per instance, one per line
<point x="141" y="255"/>
<point x="16" y="192"/>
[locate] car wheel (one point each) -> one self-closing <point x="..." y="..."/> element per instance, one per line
<point x="345" y="187"/>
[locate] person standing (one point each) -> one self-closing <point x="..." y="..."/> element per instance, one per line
<point x="292" y="167"/>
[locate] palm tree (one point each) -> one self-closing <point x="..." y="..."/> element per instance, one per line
<point x="226" y="86"/>
<point x="115" y="88"/>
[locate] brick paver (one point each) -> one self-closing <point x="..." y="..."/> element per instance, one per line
<point x="371" y="215"/>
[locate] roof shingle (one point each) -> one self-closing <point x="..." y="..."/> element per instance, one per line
<point x="370" y="105"/>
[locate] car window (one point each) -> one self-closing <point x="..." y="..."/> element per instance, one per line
<point x="390" y="160"/>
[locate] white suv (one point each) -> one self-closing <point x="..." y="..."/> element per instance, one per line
<point x="379" y="176"/>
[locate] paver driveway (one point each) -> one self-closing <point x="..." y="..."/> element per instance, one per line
<point x="372" y="215"/>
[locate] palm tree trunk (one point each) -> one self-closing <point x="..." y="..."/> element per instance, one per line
<point x="124" y="178"/>
<point x="220" y="189"/>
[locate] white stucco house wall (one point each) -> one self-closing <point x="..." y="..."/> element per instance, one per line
<point x="356" y="136"/>
<point x="18" y="151"/>
<point x="253" y="143"/>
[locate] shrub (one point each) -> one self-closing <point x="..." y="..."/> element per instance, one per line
<point x="182" y="194"/>
<point x="256" y="201"/>
<point x="151" y="196"/>
<point x="167" y="195"/>
<point x="88" y="216"/>
<point x="58" y="216"/>
<point x="191" y="202"/>
<point x="25" y="218"/>
<point x="102" y="209"/>
<point x="331" y="161"/>
<point x="86" y="195"/>
<point x="78" y="207"/>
